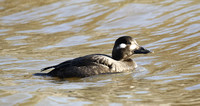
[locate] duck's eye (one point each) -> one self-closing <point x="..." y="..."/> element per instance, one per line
<point x="128" y="43"/>
<point x="122" y="45"/>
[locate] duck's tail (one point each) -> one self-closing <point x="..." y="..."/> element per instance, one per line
<point x="44" y="74"/>
<point x="47" y="68"/>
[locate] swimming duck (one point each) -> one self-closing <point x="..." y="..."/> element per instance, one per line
<point x="96" y="64"/>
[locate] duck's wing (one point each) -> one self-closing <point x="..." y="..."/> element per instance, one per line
<point x="100" y="59"/>
<point x="97" y="59"/>
<point x="83" y="66"/>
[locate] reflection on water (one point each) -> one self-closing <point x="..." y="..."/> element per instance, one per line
<point x="41" y="33"/>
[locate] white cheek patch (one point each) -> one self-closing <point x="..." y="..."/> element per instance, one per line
<point x="132" y="47"/>
<point x="122" y="45"/>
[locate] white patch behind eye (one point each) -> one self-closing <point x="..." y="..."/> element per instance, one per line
<point x="122" y="45"/>
<point x="132" y="47"/>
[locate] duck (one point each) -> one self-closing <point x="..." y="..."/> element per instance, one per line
<point x="96" y="64"/>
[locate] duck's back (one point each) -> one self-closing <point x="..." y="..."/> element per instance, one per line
<point x="90" y="65"/>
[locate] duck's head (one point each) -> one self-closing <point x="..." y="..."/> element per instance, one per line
<point x="125" y="47"/>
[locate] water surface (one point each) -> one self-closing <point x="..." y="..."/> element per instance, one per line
<point x="36" y="34"/>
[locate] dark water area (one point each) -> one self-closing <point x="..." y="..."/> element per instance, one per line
<point x="36" y="34"/>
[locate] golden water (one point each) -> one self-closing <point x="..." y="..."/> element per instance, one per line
<point x="36" y="34"/>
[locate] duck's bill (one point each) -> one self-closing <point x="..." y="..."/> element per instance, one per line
<point x="142" y="50"/>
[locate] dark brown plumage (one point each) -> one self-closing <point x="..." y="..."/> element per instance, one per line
<point x="96" y="64"/>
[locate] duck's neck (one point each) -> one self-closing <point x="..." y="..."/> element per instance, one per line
<point x="118" y="55"/>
